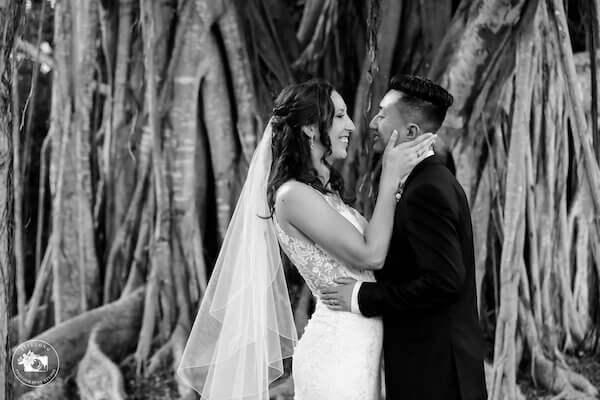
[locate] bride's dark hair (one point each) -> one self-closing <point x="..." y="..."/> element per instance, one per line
<point x="298" y="105"/>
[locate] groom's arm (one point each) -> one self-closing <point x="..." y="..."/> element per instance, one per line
<point x="432" y="218"/>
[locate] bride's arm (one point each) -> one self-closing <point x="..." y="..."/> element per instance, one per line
<point x="304" y="208"/>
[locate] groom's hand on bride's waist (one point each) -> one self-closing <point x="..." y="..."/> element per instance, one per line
<point x="338" y="297"/>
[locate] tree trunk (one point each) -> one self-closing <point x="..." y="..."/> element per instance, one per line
<point x="116" y="326"/>
<point x="241" y="77"/>
<point x="462" y="66"/>
<point x="190" y="167"/>
<point x="219" y="126"/>
<point x="504" y="380"/>
<point x="119" y="165"/>
<point x="98" y="377"/>
<point x="75" y="265"/>
<point x="476" y="62"/>
<point x="375" y="75"/>
<point x="10" y="18"/>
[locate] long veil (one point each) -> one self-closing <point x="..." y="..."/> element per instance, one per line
<point x="245" y="327"/>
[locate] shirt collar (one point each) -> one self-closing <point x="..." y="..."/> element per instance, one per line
<point x="427" y="154"/>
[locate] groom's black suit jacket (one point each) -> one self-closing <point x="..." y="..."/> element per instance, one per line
<point x="425" y="293"/>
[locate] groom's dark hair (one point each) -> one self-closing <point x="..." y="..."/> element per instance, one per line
<point x="426" y="100"/>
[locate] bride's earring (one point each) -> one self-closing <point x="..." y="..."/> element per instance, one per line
<point x="312" y="142"/>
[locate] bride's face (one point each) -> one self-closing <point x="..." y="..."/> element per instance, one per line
<point x="341" y="128"/>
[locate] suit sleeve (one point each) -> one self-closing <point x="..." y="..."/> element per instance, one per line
<point x="431" y="224"/>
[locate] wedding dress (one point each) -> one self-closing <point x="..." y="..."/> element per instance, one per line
<point x="339" y="353"/>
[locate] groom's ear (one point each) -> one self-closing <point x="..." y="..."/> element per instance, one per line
<point x="413" y="131"/>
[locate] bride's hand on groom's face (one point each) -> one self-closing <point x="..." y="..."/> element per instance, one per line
<point x="399" y="159"/>
<point x="338" y="298"/>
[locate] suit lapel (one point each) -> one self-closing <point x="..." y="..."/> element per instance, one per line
<point x="398" y="235"/>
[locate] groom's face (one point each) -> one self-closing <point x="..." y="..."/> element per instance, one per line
<point x="387" y="119"/>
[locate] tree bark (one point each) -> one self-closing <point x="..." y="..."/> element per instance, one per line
<point x="221" y="136"/>
<point x="117" y="334"/>
<point x="10" y="19"/>
<point x="190" y="167"/>
<point x="583" y="136"/>
<point x="241" y="77"/>
<point x="160" y="253"/>
<point x="505" y="362"/>
<point x="375" y="75"/>
<point x="18" y="202"/>
<point x="310" y="16"/>
<point x="98" y="377"/>
<point x="435" y="18"/>
<point x="462" y="66"/>
<point x="75" y="265"/>
<point x="119" y="163"/>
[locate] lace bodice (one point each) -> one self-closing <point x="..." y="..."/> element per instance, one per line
<point x="317" y="267"/>
<point x="339" y="353"/>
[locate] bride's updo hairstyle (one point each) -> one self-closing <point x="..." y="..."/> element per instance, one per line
<point x="298" y="105"/>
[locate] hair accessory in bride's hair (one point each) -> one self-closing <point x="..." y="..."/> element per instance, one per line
<point x="278" y="110"/>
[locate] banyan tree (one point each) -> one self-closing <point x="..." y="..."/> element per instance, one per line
<point x="128" y="125"/>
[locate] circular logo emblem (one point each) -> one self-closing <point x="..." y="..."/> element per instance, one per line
<point x="35" y="363"/>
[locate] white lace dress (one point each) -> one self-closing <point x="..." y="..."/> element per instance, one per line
<point x="339" y="354"/>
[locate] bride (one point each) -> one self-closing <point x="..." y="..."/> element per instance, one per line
<point x="292" y="198"/>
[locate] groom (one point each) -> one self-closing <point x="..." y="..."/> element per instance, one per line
<point x="425" y="292"/>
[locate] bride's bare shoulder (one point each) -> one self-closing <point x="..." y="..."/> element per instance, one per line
<point x="294" y="193"/>
<point x="293" y="188"/>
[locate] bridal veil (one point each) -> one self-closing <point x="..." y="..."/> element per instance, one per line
<point x="244" y="327"/>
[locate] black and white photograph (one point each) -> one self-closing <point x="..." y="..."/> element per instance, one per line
<point x="299" y="200"/>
